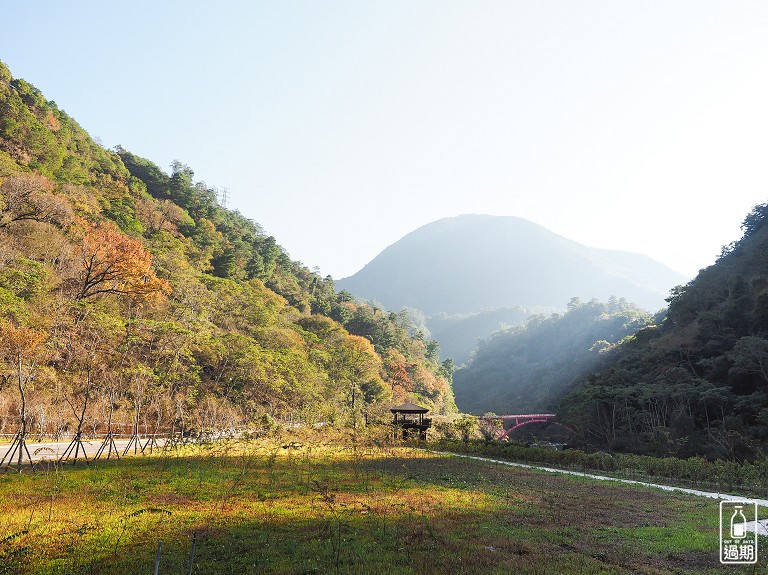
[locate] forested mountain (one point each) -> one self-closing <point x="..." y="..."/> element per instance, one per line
<point x="472" y="263"/>
<point x="698" y="382"/>
<point x="527" y="369"/>
<point x="473" y="275"/>
<point x="136" y="291"/>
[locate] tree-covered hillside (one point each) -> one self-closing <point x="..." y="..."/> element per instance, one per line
<point x="135" y="291"/>
<point x="527" y="369"/>
<point x="698" y="382"/>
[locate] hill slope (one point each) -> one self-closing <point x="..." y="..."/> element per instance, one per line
<point x="527" y="369"/>
<point x="474" y="262"/>
<point x="131" y="292"/>
<point x="697" y="383"/>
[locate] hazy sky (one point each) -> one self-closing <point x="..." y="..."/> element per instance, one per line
<point x="341" y="126"/>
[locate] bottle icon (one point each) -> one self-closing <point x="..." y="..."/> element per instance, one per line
<point x="738" y="524"/>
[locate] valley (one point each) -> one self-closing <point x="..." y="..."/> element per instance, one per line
<point x="253" y="395"/>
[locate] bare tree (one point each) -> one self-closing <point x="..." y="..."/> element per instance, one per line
<point x="20" y="347"/>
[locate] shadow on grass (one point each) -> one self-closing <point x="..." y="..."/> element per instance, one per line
<point x="300" y="509"/>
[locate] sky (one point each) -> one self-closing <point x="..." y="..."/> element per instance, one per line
<point x="341" y="126"/>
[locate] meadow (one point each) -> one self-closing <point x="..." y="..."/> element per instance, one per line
<point x="309" y="503"/>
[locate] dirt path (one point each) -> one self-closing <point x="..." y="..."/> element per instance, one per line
<point x="55" y="449"/>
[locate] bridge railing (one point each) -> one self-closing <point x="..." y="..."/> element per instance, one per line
<point x="522" y="419"/>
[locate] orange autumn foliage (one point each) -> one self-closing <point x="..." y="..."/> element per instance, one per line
<point x="114" y="263"/>
<point x="18" y="341"/>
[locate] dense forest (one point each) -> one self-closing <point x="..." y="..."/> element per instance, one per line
<point x="696" y="383"/>
<point x="528" y="368"/>
<point x="131" y="295"/>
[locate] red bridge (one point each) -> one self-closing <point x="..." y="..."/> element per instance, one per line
<point x="520" y="420"/>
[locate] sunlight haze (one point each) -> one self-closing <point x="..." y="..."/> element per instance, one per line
<point x="342" y="126"/>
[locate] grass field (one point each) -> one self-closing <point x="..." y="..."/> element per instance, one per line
<point x="304" y="504"/>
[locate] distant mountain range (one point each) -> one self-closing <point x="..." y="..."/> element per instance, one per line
<point x="471" y="263"/>
<point x="476" y="263"/>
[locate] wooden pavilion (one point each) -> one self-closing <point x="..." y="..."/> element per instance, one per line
<point x="410" y="421"/>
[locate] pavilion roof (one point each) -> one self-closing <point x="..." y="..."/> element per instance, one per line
<point x="409" y="408"/>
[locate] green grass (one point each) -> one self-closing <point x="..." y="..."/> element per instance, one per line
<point x="305" y="505"/>
<point x="748" y="479"/>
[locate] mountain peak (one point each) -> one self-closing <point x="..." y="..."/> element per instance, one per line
<point x="471" y="262"/>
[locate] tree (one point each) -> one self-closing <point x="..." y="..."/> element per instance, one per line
<point x="754" y="220"/>
<point x="112" y="263"/>
<point x="750" y="356"/>
<point x="180" y="184"/>
<point x="396" y="370"/>
<point x="161" y="216"/>
<point x="489" y="426"/>
<point x="355" y="368"/>
<point x="86" y="347"/>
<point x="447" y="367"/>
<point x="155" y="181"/>
<point x="5" y="73"/>
<point x="466" y="425"/>
<point x="29" y="197"/>
<point x="19" y="344"/>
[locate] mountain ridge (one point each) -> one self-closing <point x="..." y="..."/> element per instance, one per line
<point x="416" y="270"/>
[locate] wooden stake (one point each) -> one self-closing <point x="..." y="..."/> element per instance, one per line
<point x="157" y="557"/>
<point x="192" y="554"/>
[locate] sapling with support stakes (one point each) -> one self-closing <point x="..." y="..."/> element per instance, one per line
<point x="134" y="440"/>
<point x="140" y="377"/>
<point x="16" y="343"/>
<point x="157" y="404"/>
<point x="19" y="445"/>
<point x="109" y="439"/>
<point x="77" y="441"/>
